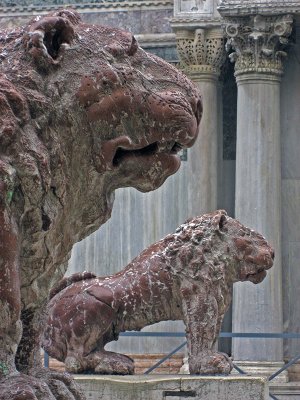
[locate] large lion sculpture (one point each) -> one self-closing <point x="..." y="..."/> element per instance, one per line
<point x="186" y="276"/>
<point x="83" y="111"/>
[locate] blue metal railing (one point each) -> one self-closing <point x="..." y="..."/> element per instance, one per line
<point x="221" y="335"/>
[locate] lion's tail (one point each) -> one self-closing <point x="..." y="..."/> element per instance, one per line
<point x="67" y="281"/>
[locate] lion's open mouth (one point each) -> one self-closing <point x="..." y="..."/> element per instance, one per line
<point x="170" y="147"/>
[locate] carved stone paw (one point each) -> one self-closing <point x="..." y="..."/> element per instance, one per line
<point x="210" y="363"/>
<point x="50" y="385"/>
<point x="102" y="362"/>
<point x="117" y="364"/>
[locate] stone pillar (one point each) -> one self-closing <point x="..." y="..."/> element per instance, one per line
<point x="257" y="51"/>
<point x="202" y="53"/>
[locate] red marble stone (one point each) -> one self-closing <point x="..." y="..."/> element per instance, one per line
<point x="83" y="111"/>
<point x="186" y="276"/>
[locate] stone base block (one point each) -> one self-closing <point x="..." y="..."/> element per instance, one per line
<point x="294" y="372"/>
<point x="285" y="391"/>
<point x="177" y="387"/>
<point x="262" y="368"/>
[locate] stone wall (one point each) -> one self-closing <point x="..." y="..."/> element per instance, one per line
<point x="137" y="16"/>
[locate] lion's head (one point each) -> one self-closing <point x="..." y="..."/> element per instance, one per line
<point x="218" y="247"/>
<point x="84" y="111"/>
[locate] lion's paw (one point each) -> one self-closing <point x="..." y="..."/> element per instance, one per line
<point x="45" y="385"/>
<point x="61" y="384"/>
<point x="210" y="364"/>
<point x="100" y="362"/>
<point x="117" y="364"/>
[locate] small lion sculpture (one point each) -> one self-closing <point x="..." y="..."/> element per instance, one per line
<point x="186" y="276"/>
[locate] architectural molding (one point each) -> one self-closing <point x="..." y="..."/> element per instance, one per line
<point x="195" y="22"/>
<point x="258" y="42"/>
<point x="201" y="50"/>
<point x="262" y="7"/>
<point x="156" y="39"/>
<point x="14" y="8"/>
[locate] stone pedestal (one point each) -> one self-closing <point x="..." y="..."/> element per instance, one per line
<point x="258" y="68"/>
<point x="173" y="387"/>
<point x="285" y="391"/>
<point x="262" y="368"/>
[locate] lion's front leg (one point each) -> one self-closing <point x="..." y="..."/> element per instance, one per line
<point x="40" y="385"/>
<point x="13" y="384"/>
<point x="200" y="312"/>
<point x="10" y="300"/>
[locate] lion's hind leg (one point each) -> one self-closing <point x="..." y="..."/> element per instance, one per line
<point x="88" y="325"/>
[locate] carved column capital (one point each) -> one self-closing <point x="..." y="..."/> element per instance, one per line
<point x="257" y="42"/>
<point x="201" y="51"/>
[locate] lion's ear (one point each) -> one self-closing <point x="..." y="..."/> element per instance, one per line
<point x="47" y="38"/>
<point x="220" y="219"/>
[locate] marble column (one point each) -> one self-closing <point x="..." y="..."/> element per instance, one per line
<point x="202" y="53"/>
<point x="257" y="51"/>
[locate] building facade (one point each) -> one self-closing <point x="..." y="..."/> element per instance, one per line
<point x="245" y="58"/>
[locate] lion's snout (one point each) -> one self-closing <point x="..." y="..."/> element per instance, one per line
<point x="262" y="259"/>
<point x="255" y="265"/>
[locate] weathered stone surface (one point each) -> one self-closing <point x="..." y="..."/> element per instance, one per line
<point x="84" y="110"/>
<point x="142" y="16"/>
<point x="174" y="388"/>
<point x="259" y="48"/>
<point x="186" y="276"/>
<point x="261" y="7"/>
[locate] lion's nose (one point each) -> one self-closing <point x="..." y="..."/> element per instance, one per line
<point x="273" y="254"/>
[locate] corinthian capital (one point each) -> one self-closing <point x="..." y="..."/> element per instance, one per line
<point x="201" y="50"/>
<point x="257" y="42"/>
